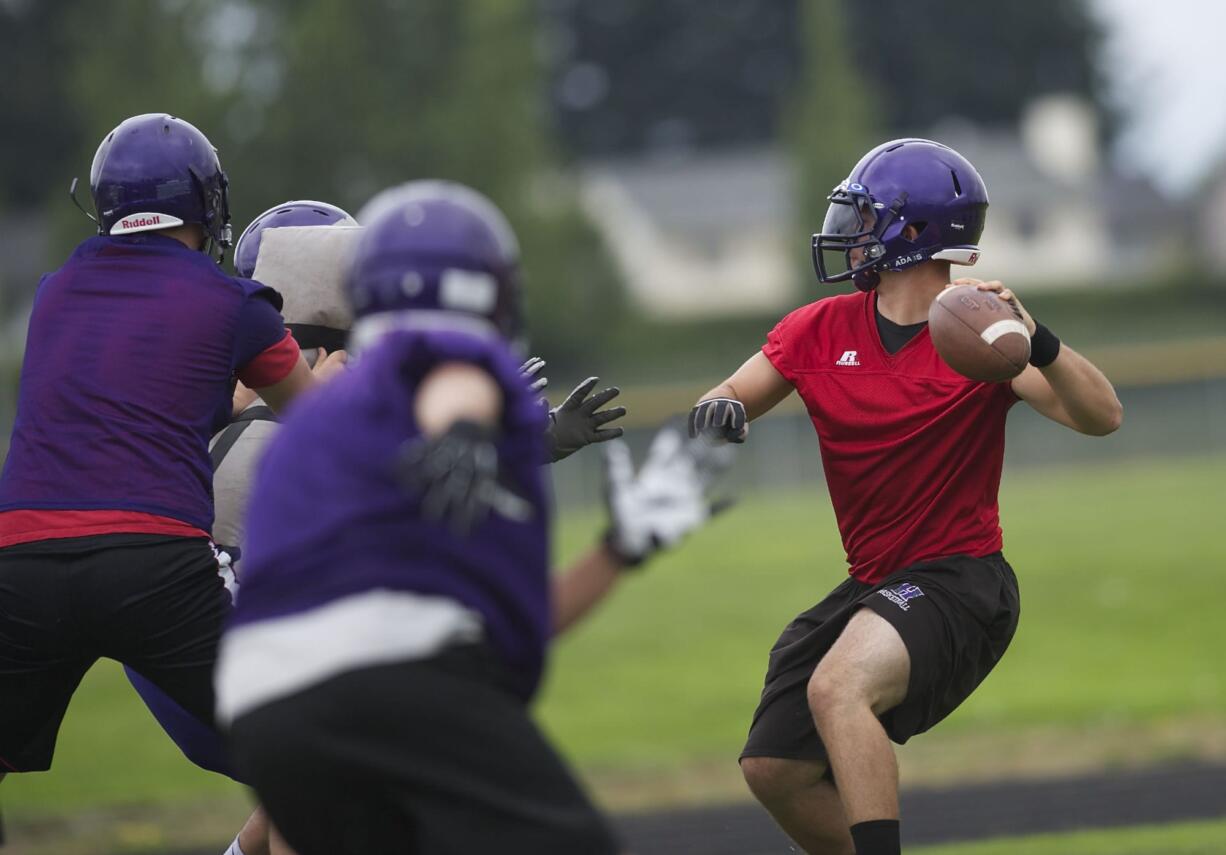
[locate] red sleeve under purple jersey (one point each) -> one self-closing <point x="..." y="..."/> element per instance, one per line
<point x="912" y="451"/>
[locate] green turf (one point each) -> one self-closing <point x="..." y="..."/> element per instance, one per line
<point x="1192" y="838"/>
<point x="1120" y="567"/>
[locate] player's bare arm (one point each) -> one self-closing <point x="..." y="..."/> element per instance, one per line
<point x="577" y="589"/>
<point x="752" y="390"/>
<point x="300" y="378"/>
<point x="1070" y="390"/>
<point x="457" y="391"/>
<point x="757" y="384"/>
<point x="649" y="511"/>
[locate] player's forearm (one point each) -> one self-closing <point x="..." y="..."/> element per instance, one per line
<point x="578" y="589"/>
<point x="1085" y="393"/>
<point x="756" y="384"/>
<point x="456" y="392"/>
<point x="279" y="395"/>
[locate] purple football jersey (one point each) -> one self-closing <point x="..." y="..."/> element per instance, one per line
<point x="129" y="360"/>
<point x="328" y="519"/>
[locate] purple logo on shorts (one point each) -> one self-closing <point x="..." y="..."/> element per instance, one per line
<point x="900" y="594"/>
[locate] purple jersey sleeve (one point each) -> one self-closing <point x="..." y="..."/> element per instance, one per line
<point x="260" y="325"/>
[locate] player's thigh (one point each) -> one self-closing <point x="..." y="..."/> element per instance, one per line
<point x="166" y="622"/>
<point x="869" y="663"/>
<point x="42" y="657"/>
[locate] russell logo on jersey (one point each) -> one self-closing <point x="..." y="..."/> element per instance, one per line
<point x="849" y="357"/>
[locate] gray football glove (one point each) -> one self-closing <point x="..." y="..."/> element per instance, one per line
<point x="530" y="369"/>
<point x="719" y="418"/>
<point x="577" y="422"/>
<point x="666" y="499"/>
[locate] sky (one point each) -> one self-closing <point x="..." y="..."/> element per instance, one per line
<point x="1166" y="63"/>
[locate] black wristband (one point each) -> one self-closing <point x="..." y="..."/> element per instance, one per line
<point x="1044" y="346"/>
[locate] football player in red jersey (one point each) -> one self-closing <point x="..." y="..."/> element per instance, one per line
<point x="912" y="453"/>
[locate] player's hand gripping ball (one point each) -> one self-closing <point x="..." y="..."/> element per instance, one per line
<point x="979" y="333"/>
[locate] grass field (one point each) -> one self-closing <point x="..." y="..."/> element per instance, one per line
<point x="1192" y="838"/>
<point x="1121" y="635"/>
<point x="1118" y="566"/>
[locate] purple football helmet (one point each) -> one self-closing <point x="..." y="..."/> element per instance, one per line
<point x="906" y="182"/>
<point x="299" y="213"/>
<point x="154" y="172"/>
<point x="437" y="246"/>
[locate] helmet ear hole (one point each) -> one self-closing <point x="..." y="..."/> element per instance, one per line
<point x="912" y="231"/>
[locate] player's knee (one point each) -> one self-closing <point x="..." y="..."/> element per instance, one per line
<point x="827" y="694"/>
<point x="773" y="780"/>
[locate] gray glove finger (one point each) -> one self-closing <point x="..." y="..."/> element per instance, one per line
<point x="606" y="434"/>
<point x="538" y="384"/>
<point x="606" y="416"/>
<point x="532" y="366"/>
<point x="598" y="400"/>
<point x="692" y="421"/>
<point x="575" y="398"/>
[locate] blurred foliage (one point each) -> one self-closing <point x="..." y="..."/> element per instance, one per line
<point x="980" y="61"/>
<point x="327" y="99"/>
<point x="628" y="75"/>
<point x="336" y="99"/>
<point x="38" y="135"/>
<point x="634" y="74"/>
<point x="834" y="118"/>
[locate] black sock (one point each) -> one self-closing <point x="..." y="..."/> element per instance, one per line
<point x="877" y="837"/>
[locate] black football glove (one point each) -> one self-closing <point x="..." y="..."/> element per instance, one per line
<point x="577" y="422"/>
<point x="719" y="418"/>
<point x="666" y="499"/>
<point x="456" y="474"/>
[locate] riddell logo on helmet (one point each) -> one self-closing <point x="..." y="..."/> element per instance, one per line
<point x="143" y="222"/>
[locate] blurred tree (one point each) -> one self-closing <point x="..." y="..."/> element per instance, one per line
<point x="38" y="135"/>
<point x="634" y="74"/>
<point x="628" y="75"/>
<point x="140" y="57"/>
<point x="330" y="99"/>
<point x="373" y="93"/>
<point x="982" y="61"/>
<point x="833" y="117"/>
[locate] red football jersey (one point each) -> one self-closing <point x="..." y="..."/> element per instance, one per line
<point x="912" y="450"/>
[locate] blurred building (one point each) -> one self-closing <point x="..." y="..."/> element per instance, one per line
<point x="708" y="232"/>
<point x="1210" y="232"/>
<point x="711" y="231"/>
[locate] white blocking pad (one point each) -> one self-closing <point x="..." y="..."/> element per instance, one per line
<point x="308" y="265"/>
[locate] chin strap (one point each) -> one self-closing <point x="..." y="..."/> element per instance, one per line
<point x="72" y="194"/>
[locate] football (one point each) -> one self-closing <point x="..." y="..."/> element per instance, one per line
<point x="978" y="334"/>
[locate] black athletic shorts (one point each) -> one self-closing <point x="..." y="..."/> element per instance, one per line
<point x="956" y="616"/>
<point x="424" y="757"/>
<point x="152" y="602"/>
